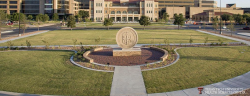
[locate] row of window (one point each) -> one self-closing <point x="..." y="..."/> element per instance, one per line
<point x="149" y="5"/>
<point x="98" y="11"/>
<point x="10" y="2"/>
<point x="5" y="6"/>
<point x="124" y="12"/>
<point x="98" y="4"/>
<point x="176" y="2"/>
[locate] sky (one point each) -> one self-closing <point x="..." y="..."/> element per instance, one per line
<point x="239" y="3"/>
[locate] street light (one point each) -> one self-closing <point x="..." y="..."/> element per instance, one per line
<point x="220" y="17"/>
<point x="19" y="21"/>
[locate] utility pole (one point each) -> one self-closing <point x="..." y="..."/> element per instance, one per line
<point x="220" y="17"/>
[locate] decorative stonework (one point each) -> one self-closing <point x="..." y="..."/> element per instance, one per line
<point x="126" y="38"/>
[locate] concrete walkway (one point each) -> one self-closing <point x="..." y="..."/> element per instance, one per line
<point x="244" y="41"/>
<point x="128" y="81"/>
<point x="3" y="41"/>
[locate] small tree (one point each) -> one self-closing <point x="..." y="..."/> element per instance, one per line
<point x="215" y="22"/>
<point x="28" y="43"/>
<point x="71" y="22"/>
<point x="165" y="17"/>
<point x="55" y="16"/>
<point x="10" y="44"/>
<point x="98" y="40"/>
<point x="191" y="40"/>
<point x="77" y="17"/>
<point x="204" y="25"/>
<point x="179" y="20"/>
<point x="46" y="44"/>
<point x="30" y="17"/>
<point x="107" y="22"/>
<point x="206" y="40"/>
<point x="144" y="20"/>
<point x="87" y="20"/>
<point x="39" y="17"/>
<point x="45" y="18"/>
<point x="74" y="42"/>
<point x="231" y="26"/>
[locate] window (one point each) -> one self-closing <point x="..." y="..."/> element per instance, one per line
<point x="106" y="5"/>
<point x="124" y="12"/>
<point x="106" y="11"/>
<point x="3" y="2"/>
<point x="3" y="6"/>
<point x="156" y="5"/>
<point x="13" y="2"/>
<point x="155" y="11"/>
<point x="118" y="12"/>
<point x="13" y="6"/>
<point x="129" y="12"/>
<point x="135" y="12"/>
<point x="112" y="12"/>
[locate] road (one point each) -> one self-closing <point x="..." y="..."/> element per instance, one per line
<point x="15" y="32"/>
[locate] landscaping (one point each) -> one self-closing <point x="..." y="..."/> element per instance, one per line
<point x="90" y="37"/>
<point x="199" y="67"/>
<point x="51" y="73"/>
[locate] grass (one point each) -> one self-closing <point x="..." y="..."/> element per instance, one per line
<point x="64" y="37"/>
<point x="134" y="25"/>
<point x="46" y="72"/>
<point x="199" y="67"/>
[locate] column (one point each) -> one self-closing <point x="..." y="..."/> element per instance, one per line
<point x="133" y="17"/>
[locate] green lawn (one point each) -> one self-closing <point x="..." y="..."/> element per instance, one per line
<point x="46" y="72"/>
<point x="64" y="37"/>
<point x="198" y="67"/>
<point x="137" y="25"/>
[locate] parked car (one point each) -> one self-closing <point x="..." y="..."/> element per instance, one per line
<point x="246" y="28"/>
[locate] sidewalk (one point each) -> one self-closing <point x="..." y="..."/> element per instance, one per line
<point x="3" y="41"/>
<point x="128" y="81"/>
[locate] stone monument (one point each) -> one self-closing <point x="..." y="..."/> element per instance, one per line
<point x="126" y="38"/>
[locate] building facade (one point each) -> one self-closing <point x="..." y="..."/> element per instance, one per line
<point x="121" y="10"/>
<point x="10" y="6"/>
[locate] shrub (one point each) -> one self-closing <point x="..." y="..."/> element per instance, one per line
<point x="221" y="42"/>
<point x="28" y="43"/>
<point x="46" y="44"/>
<point x="10" y="44"/>
<point x="74" y="42"/>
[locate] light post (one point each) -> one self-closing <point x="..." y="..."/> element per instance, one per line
<point x="220" y="17"/>
<point x="19" y="23"/>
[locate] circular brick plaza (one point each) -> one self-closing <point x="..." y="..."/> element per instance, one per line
<point x="106" y="57"/>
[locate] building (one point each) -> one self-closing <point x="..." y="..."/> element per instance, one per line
<point x="205" y="3"/>
<point x="207" y="13"/>
<point x="123" y="10"/>
<point x="10" y="6"/>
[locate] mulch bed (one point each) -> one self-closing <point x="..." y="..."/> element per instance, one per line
<point x="106" y="56"/>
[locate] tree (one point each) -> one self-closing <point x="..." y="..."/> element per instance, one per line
<point x="71" y="22"/>
<point x="2" y="19"/>
<point x="15" y="17"/>
<point x="144" y="20"/>
<point x="23" y="22"/>
<point x="84" y="14"/>
<point x="55" y="16"/>
<point x="231" y="26"/>
<point x="78" y="17"/>
<point x="107" y="22"/>
<point x="225" y="17"/>
<point x="215" y="22"/>
<point x="165" y="17"/>
<point x="45" y="18"/>
<point x="30" y="17"/>
<point x="238" y="18"/>
<point x="39" y="17"/>
<point x="179" y="20"/>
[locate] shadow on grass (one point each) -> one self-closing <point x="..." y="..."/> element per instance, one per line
<point x="210" y="58"/>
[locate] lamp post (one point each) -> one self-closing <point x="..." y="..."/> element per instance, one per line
<point x="220" y="17"/>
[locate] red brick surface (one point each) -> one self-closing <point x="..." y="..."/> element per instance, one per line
<point x="105" y="56"/>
